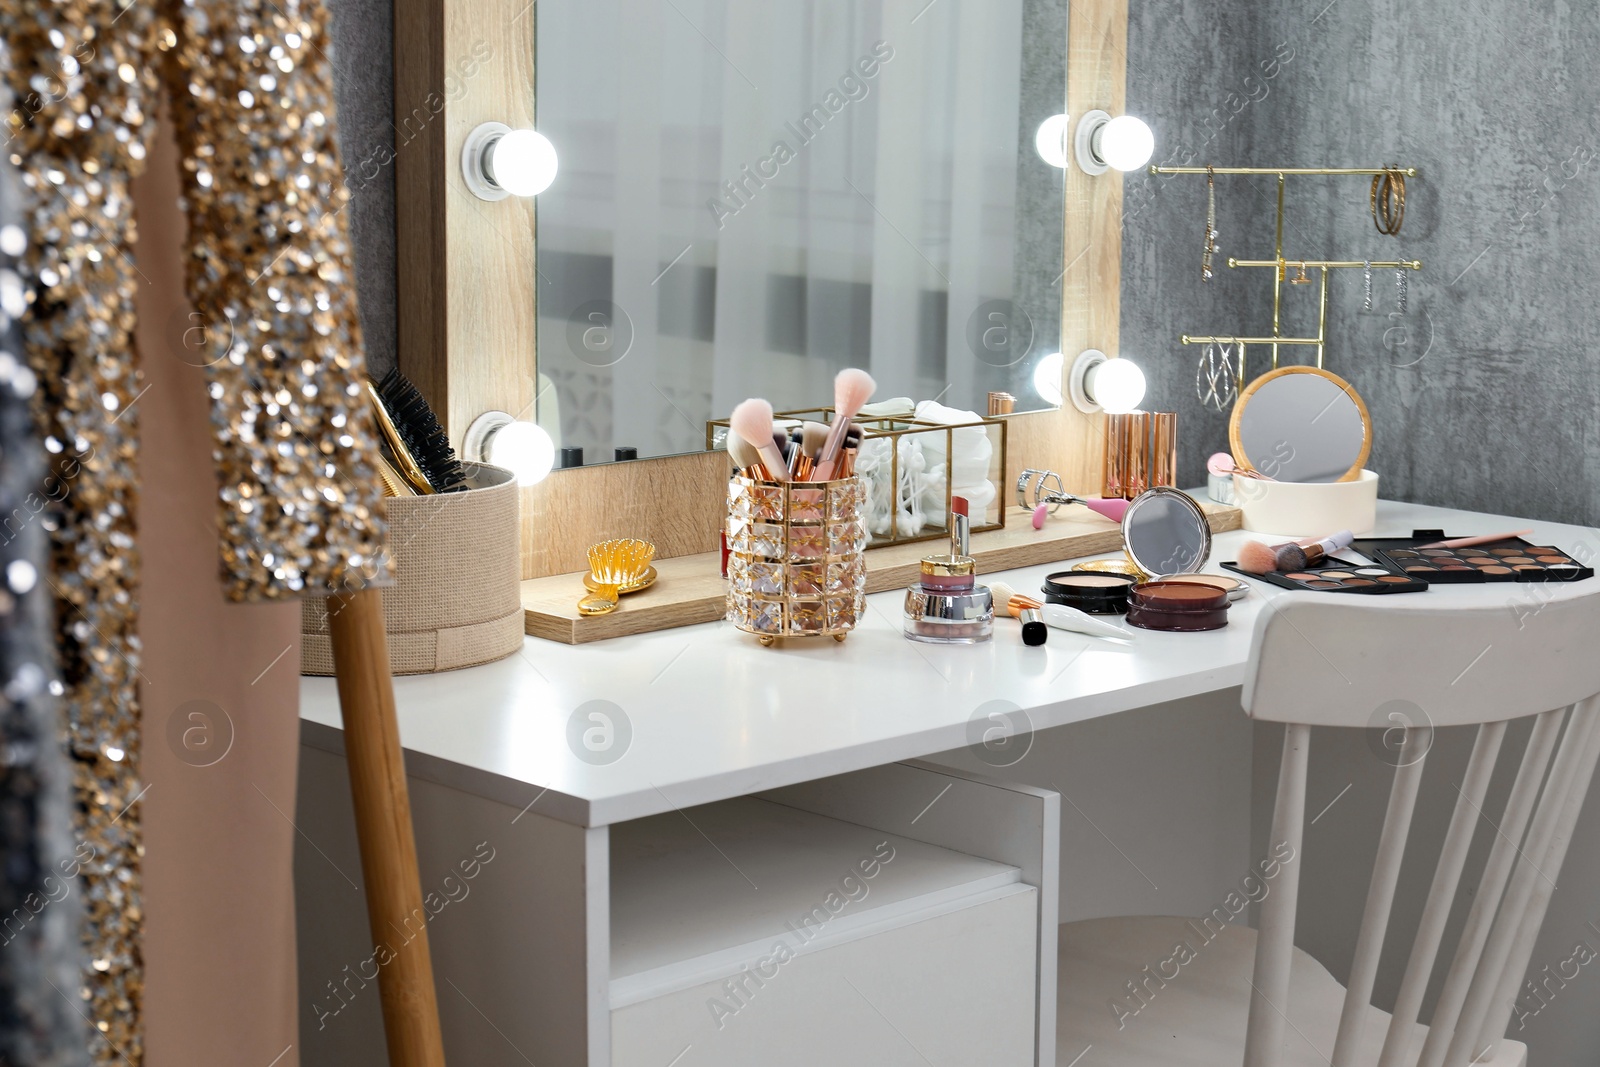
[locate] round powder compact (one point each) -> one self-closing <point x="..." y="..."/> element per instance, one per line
<point x="1234" y="587"/>
<point x="1177" y="606"/>
<point x="1097" y="592"/>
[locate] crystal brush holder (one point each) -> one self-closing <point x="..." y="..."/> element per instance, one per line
<point x="795" y="566"/>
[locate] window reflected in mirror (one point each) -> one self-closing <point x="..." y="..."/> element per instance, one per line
<point x="755" y="194"/>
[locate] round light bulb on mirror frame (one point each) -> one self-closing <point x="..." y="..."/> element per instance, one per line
<point x="1117" y="385"/>
<point x="1126" y="143"/>
<point x="497" y="162"/>
<point x="1102" y="143"/>
<point x="1050" y="141"/>
<point x="523" y="448"/>
<point x="1100" y="383"/>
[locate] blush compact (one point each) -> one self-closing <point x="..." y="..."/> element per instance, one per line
<point x="1177" y="606"/>
<point x="1096" y="592"/>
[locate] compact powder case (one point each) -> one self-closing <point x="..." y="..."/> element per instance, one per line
<point x="1177" y="606"/>
<point x="1096" y="592"/>
<point x="1236" y="589"/>
<point x="949" y="617"/>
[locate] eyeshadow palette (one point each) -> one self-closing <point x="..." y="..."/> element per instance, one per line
<point x="1337" y="576"/>
<point x="1510" y="560"/>
<point x="1503" y="561"/>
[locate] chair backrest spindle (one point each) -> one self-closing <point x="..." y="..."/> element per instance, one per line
<point x="1304" y="649"/>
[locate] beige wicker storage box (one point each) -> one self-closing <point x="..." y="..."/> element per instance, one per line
<point x="456" y="600"/>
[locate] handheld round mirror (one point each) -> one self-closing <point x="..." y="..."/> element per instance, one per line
<point x="1301" y="424"/>
<point x="1166" y="532"/>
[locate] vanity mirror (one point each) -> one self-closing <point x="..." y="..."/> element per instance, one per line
<point x="754" y="194"/>
<point x="1301" y="424"/>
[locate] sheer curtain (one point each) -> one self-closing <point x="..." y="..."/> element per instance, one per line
<point x="756" y="193"/>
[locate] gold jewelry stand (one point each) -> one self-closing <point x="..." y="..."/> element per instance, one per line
<point x="1282" y="265"/>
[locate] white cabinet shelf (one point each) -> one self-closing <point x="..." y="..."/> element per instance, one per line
<point x="698" y="894"/>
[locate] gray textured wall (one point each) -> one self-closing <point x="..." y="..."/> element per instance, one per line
<point x="363" y="86"/>
<point x="1485" y="399"/>
<point x="1485" y="396"/>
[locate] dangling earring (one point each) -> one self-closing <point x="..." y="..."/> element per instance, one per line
<point x="1400" y="288"/>
<point x="1210" y="247"/>
<point x="1302" y="278"/>
<point x="1366" y="285"/>
<point x="1215" y="379"/>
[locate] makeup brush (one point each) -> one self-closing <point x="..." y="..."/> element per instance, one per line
<point x="851" y="389"/>
<point x="744" y="454"/>
<point x="752" y="420"/>
<point x="1480" y="539"/>
<point x="813" y="435"/>
<point x="1059" y="616"/>
<point x="1258" y="557"/>
<point x="1024" y="609"/>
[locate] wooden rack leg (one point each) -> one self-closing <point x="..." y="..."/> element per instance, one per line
<point x="383" y="826"/>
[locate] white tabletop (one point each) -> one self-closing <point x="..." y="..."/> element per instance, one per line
<point x="714" y="715"/>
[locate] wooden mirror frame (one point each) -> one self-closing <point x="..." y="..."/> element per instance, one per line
<point x="467" y="294"/>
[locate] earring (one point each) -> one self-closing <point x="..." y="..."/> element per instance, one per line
<point x="1302" y="278"/>
<point x="1400" y="288"/>
<point x="1210" y="247"/>
<point x="1366" y="285"/>
<point x="1215" y="378"/>
<point x="1387" y="201"/>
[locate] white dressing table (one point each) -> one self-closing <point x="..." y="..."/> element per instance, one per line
<point x="525" y="950"/>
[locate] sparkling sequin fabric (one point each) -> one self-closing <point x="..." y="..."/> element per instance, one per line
<point x="39" y="910"/>
<point x="270" y="278"/>
<point x="82" y="76"/>
<point x="275" y="323"/>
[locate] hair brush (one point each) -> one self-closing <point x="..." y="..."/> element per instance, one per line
<point x="419" y="445"/>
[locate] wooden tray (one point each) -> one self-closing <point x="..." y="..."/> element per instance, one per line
<point x="691" y="589"/>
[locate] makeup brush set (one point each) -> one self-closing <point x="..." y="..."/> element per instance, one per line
<point x="767" y="452"/>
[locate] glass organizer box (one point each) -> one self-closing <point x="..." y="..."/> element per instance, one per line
<point x="795" y="567"/>
<point x="910" y="468"/>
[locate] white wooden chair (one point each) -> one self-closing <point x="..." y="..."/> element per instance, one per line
<point x="1130" y="990"/>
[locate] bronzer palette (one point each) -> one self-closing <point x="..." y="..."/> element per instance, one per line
<point x="1337" y="576"/>
<point x="1513" y="560"/>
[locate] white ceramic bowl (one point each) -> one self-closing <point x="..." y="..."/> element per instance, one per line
<point x="1308" y="509"/>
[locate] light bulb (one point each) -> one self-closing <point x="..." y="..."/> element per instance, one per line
<point x="1050" y="140"/>
<point x="1117" y="385"/>
<point x="1125" y="143"/>
<point x="525" y="449"/>
<point x="522" y="162"/>
<point x="1047" y="378"/>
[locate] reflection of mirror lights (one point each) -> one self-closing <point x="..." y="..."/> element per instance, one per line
<point x="497" y="162"/>
<point x="1102" y="142"/>
<point x="1047" y="378"/>
<point x="1051" y="140"/>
